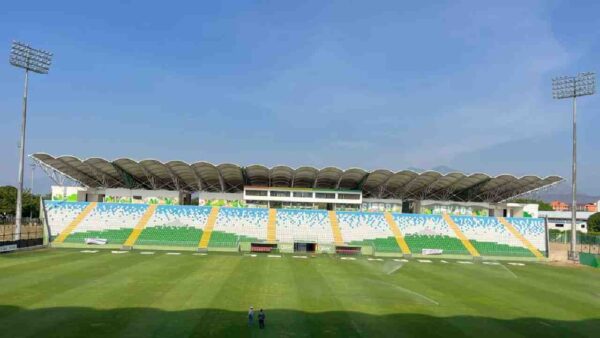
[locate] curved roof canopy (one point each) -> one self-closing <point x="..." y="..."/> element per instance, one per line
<point x="227" y="177"/>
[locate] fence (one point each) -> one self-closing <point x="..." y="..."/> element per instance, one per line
<point x="589" y="243"/>
<point x="10" y="220"/>
<point x="30" y="235"/>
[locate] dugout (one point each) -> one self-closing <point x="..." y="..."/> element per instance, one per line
<point x="305" y="247"/>
<point x="348" y="249"/>
<point x="263" y="247"/>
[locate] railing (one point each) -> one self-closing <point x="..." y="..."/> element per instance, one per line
<point x="589" y="243"/>
<point x="29" y="236"/>
<point x="10" y="220"/>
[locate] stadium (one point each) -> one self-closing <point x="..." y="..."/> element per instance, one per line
<point x="249" y="169"/>
<point x="327" y="252"/>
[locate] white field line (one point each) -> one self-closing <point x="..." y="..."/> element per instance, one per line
<point x="396" y="268"/>
<point x="443" y="261"/>
<point x="119" y="252"/>
<point x="401" y="260"/>
<point x="299" y="256"/>
<point x="173" y="253"/>
<point x="375" y="259"/>
<point x="89" y="251"/>
<point x="146" y="252"/>
<point x="464" y="262"/>
<point x="516" y="264"/>
<point x="274" y="256"/>
<point x="491" y="263"/>
<point x="200" y="254"/>
<point x="414" y="293"/>
<point x="509" y="271"/>
<point x="424" y="261"/>
<point x="348" y="258"/>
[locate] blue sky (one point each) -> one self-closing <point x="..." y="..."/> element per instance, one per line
<point x="382" y="84"/>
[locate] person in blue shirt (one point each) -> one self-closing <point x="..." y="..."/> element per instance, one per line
<point x="251" y="316"/>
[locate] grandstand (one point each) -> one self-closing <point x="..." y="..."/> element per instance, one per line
<point x="191" y="228"/>
<point x="130" y="204"/>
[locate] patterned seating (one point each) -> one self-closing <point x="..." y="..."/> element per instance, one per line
<point x="532" y="229"/>
<point x="60" y="214"/>
<point x="177" y="225"/>
<point x="360" y="228"/>
<point x="111" y="221"/>
<point x="182" y="226"/>
<point x="235" y="225"/>
<point x="428" y="232"/>
<point x="490" y="237"/>
<point x="304" y="225"/>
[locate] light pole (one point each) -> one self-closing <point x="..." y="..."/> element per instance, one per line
<point x="571" y="87"/>
<point x="37" y="61"/>
<point x="32" y="165"/>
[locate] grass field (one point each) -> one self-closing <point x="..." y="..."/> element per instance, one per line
<point x="66" y="293"/>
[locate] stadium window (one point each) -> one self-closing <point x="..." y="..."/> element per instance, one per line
<point x="280" y="193"/>
<point x="559" y="225"/>
<point x="325" y="195"/>
<point x="303" y="194"/>
<point x="583" y="226"/>
<point x="349" y="196"/>
<point x="256" y="192"/>
<point x="137" y="197"/>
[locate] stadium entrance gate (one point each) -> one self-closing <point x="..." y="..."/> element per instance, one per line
<point x="305" y="247"/>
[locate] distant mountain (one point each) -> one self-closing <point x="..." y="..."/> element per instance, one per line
<point x="566" y="197"/>
<point x="442" y="169"/>
<point x="445" y="169"/>
<point x="562" y="192"/>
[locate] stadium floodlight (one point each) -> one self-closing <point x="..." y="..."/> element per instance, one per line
<point x="566" y="87"/>
<point x="37" y="61"/>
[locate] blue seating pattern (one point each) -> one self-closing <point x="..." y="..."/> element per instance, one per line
<point x="490" y="237"/>
<point x="358" y="226"/>
<point x="112" y="221"/>
<point x="184" y="225"/>
<point x="303" y="225"/>
<point x="531" y="228"/>
<point x="175" y="225"/>
<point x="250" y="222"/>
<point x="61" y="213"/>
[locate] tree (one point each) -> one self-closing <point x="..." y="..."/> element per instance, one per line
<point x="8" y="202"/>
<point x="593" y="223"/>
<point x="542" y="206"/>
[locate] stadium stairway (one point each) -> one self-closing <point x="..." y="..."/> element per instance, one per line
<point x="520" y="236"/>
<point x="397" y="233"/>
<point x="465" y="241"/>
<point x="335" y="229"/>
<point x="139" y="227"/>
<point x="272" y="226"/>
<point x="208" y="228"/>
<point x="74" y="223"/>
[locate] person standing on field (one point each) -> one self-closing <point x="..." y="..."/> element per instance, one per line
<point x="261" y="319"/>
<point x="251" y="316"/>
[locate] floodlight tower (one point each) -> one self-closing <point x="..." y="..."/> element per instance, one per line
<point x="37" y="61"/>
<point x="571" y="87"/>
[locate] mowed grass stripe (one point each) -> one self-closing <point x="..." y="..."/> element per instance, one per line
<point x="133" y="295"/>
<point x="46" y="276"/>
<point x="133" y="282"/>
<point x="192" y="284"/>
<point x="70" y="287"/>
<point x="33" y="260"/>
